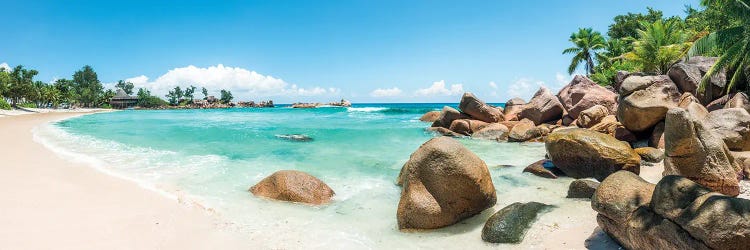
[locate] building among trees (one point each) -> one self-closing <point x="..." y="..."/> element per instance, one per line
<point x="122" y="100"/>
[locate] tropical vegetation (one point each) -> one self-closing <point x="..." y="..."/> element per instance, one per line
<point x="651" y="43"/>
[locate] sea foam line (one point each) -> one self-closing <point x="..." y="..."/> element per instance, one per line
<point x="91" y="161"/>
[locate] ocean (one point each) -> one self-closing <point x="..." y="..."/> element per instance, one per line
<point x="212" y="157"/>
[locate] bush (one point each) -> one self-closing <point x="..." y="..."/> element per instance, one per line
<point x="27" y="105"/>
<point x="106" y="106"/>
<point x="4" y="105"/>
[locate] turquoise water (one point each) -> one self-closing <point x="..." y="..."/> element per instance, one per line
<point x="212" y="157"/>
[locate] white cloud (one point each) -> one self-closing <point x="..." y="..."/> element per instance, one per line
<point x="524" y="88"/>
<point x="138" y="80"/>
<point x="438" y="88"/>
<point x="562" y="79"/>
<point x="244" y="84"/>
<point x="493" y="85"/>
<point x="386" y="92"/>
<point x="5" y="66"/>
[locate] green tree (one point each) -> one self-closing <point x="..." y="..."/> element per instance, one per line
<point x="587" y="43"/>
<point x="65" y="88"/>
<point x="205" y="93"/>
<point x="4" y="81"/>
<point x="189" y="92"/>
<point x="733" y="42"/>
<point x="125" y="86"/>
<point x="146" y="100"/>
<point x="660" y="44"/>
<point x="226" y="96"/>
<point x="87" y="87"/>
<point x="21" y="84"/>
<point x="626" y="26"/>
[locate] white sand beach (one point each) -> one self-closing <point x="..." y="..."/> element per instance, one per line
<point x="51" y="203"/>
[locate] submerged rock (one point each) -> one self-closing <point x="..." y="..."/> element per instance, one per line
<point x="582" y="189"/>
<point x="509" y="225"/>
<point x="293" y="186"/>
<point x="582" y="153"/>
<point x="443" y="183"/>
<point x="538" y="168"/>
<point x="295" y="137"/>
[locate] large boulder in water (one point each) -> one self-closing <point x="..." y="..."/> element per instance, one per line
<point x="509" y="225"/>
<point x="582" y="93"/>
<point x="447" y="116"/>
<point x="695" y="152"/>
<point x="644" y="101"/>
<point x="493" y="131"/>
<point x="731" y="125"/>
<point x="443" y="183"/>
<point x="687" y="75"/>
<point x="431" y="116"/>
<point x="676" y="213"/>
<point x="582" y="153"/>
<point x="543" y="107"/>
<point x="524" y="131"/>
<point x="294" y="186"/>
<point x="479" y="110"/>
<point x="512" y="108"/>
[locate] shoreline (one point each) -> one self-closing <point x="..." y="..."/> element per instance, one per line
<point x="70" y="203"/>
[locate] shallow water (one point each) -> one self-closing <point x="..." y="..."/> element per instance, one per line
<point x="212" y="157"/>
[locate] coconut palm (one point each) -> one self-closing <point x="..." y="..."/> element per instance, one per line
<point x="659" y="45"/>
<point x="588" y="44"/>
<point x="733" y="42"/>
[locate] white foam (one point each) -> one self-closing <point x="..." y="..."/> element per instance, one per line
<point x="366" y="109"/>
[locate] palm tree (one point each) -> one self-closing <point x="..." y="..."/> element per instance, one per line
<point x="613" y="51"/>
<point x="733" y="42"/>
<point x="588" y="43"/>
<point x="659" y="45"/>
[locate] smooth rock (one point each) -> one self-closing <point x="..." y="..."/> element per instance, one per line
<point x="696" y="153"/>
<point x="431" y="116"/>
<point x="687" y="75"/>
<point x="509" y="225"/>
<point x="443" y="183"/>
<point x="493" y="131"/>
<point x="537" y="168"/>
<point x="478" y="109"/>
<point x="592" y="116"/>
<point x="293" y="186"/>
<point x="645" y="100"/>
<point x="523" y="131"/>
<point x="543" y="107"/>
<point x="582" y="189"/>
<point x="512" y="108"/>
<point x="649" y="154"/>
<point x="582" y="93"/>
<point x="447" y="116"/>
<point x="731" y="125"/>
<point x="582" y="153"/>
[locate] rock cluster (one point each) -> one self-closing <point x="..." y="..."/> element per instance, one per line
<point x="676" y="213"/>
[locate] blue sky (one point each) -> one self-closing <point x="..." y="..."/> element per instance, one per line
<point x="365" y="51"/>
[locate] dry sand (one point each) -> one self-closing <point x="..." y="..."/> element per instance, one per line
<point x="51" y="203"/>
